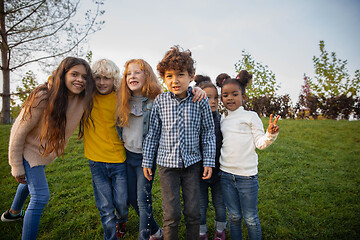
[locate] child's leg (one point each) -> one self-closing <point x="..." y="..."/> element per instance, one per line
<point x="103" y="193"/>
<point x="120" y="193"/>
<point x="22" y="193"/>
<point x="190" y="184"/>
<point x="248" y="188"/>
<point x="204" y="201"/>
<point x="39" y="197"/>
<point x="232" y="203"/>
<point x="219" y="205"/>
<point x="148" y="225"/>
<point x="170" y="195"/>
<point x="132" y="182"/>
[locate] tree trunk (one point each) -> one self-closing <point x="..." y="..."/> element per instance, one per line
<point x="5" y="112"/>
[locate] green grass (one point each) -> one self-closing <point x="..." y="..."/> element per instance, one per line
<point x="309" y="187"/>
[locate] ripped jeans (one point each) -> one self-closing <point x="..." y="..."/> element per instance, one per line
<point x="139" y="194"/>
<point x="241" y="199"/>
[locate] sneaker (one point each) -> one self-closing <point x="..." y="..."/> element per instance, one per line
<point x="219" y="236"/>
<point x="203" y="237"/>
<point x="8" y="217"/>
<point x="152" y="237"/>
<point x="120" y="230"/>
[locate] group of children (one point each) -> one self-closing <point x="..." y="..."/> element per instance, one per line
<point x="130" y="127"/>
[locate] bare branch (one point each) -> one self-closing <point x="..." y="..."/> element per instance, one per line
<point x="19" y="9"/>
<point x="22" y="20"/>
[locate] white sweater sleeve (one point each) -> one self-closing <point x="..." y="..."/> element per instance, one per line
<point x="261" y="139"/>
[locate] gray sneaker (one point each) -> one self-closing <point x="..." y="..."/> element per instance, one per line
<point x="8" y="217"/>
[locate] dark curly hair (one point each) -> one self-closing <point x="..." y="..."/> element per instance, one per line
<point x="243" y="79"/>
<point x="203" y="82"/>
<point x="176" y="59"/>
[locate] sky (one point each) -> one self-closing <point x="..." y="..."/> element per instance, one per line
<point x="282" y="34"/>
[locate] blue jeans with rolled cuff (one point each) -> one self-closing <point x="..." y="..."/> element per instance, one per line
<point x="217" y="201"/>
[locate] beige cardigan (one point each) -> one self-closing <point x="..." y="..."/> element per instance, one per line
<point x="25" y="136"/>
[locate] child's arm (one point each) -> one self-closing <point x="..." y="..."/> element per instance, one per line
<point x="207" y="137"/>
<point x="199" y="94"/>
<point x="19" y="131"/>
<point x="262" y="139"/>
<point x="151" y="141"/>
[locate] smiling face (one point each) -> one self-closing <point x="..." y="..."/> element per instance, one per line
<point x="75" y="80"/>
<point x="135" y="79"/>
<point x="213" y="97"/>
<point x="104" y="85"/>
<point x="231" y="96"/>
<point x="178" y="82"/>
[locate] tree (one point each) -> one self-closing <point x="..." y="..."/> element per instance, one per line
<point x="34" y="31"/>
<point x="331" y="76"/>
<point x="307" y="105"/>
<point x="263" y="82"/>
<point x="22" y="92"/>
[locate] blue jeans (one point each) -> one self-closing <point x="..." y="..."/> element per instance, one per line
<point x="218" y="203"/>
<point x="140" y="197"/>
<point x="240" y="195"/>
<point x="171" y="179"/>
<point x="110" y="191"/>
<point x="36" y="185"/>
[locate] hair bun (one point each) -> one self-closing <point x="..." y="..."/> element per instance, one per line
<point x="221" y="78"/>
<point x="201" y="78"/>
<point x="244" y="77"/>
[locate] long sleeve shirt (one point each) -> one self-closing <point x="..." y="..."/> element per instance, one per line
<point x="242" y="132"/>
<point x="177" y="129"/>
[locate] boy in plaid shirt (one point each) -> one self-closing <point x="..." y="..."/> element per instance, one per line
<point x="181" y="139"/>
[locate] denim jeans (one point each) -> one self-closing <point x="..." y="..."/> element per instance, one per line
<point x="217" y="201"/>
<point x="240" y="195"/>
<point x="140" y="197"/>
<point x="36" y="185"/>
<point x="110" y="191"/>
<point x="171" y="179"/>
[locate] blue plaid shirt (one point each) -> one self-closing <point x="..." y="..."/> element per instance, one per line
<point x="177" y="128"/>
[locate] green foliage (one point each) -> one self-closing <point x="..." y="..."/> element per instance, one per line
<point x="309" y="187"/>
<point x="331" y="76"/>
<point x="332" y="93"/>
<point x="354" y="85"/>
<point x="263" y="82"/>
<point x="22" y="92"/>
<point x="89" y="56"/>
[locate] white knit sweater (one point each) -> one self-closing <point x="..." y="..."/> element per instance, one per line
<point x="242" y="131"/>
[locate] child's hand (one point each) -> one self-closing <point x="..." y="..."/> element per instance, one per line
<point x="207" y="173"/>
<point x="199" y="94"/>
<point x="273" y="128"/>
<point x="21" y="179"/>
<point x="147" y="173"/>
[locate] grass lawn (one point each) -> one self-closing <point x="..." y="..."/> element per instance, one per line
<point x="309" y="187"/>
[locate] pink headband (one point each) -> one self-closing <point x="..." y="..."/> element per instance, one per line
<point x="223" y="81"/>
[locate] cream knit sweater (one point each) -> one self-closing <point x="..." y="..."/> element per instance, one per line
<point x="242" y="132"/>
<point x="25" y="135"/>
